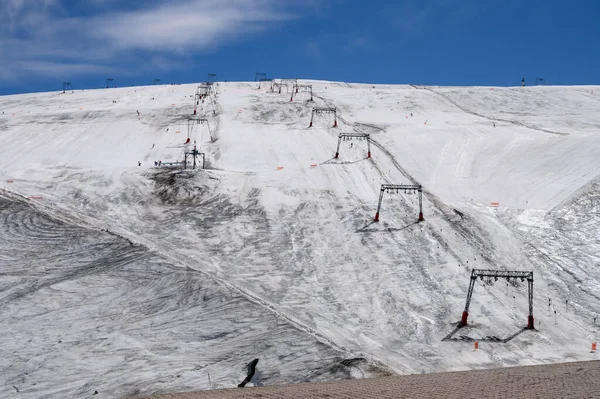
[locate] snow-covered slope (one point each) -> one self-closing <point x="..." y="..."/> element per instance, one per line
<point x="285" y="232"/>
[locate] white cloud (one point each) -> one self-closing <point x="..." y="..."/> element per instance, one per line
<point x="192" y="25"/>
<point x="38" y="33"/>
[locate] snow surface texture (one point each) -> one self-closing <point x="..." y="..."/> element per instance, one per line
<point x="154" y="278"/>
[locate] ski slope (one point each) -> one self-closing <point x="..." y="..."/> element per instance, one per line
<point x="284" y="233"/>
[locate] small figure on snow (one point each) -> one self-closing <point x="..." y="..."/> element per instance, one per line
<point x="155" y="163"/>
<point x="139" y="163"/>
<point x="494" y="124"/>
<point x="153" y="144"/>
<point x="351" y="144"/>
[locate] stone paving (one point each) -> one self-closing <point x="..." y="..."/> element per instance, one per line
<point x="565" y="380"/>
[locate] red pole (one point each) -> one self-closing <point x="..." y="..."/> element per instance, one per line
<point x="463" y="321"/>
<point x="376" y="217"/>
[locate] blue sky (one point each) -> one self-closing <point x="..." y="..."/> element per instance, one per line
<point x="437" y="42"/>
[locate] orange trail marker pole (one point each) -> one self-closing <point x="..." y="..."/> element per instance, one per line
<point x="593" y="347"/>
<point x="476" y="345"/>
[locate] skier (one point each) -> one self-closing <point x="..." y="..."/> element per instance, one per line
<point x="494" y="124"/>
<point x="351" y="144"/>
<point x="155" y="163"/>
<point x="138" y="112"/>
<point x="139" y="163"/>
<point x="153" y="144"/>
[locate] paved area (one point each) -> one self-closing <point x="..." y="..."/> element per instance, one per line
<point x="565" y="380"/>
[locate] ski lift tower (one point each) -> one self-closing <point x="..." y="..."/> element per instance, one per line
<point x="157" y="82"/>
<point x="194" y="154"/>
<point x="110" y="82"/>
<point x="265" y="80"/>
<point x="406" y="189"/>
<point x="318" y="110"/>
<point x="353" y="136"/>
<point x="259" y="76"/>
<point x="67" y="86"/>
<point x="540" y="81"/>
<point x="278" y="85"/>
<point x="212" y="77"/>
<point x="304" y="88"/>
<point x="197" y="121"/>
<point x="495" y="275"/>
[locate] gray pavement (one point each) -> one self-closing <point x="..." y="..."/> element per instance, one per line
<point x="564" y="380"/>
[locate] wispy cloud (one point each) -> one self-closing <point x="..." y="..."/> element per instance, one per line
<point x="43" y="37"/>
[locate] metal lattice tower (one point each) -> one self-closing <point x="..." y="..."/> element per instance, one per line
<point x="301" y="88"/>
<point x="405" y="188"/>
<point x="212" y="77"/>
<point x="540" y="81"/>
<point x="157" y="82"/>
<point x="496" y="274"/>
<point x="193" y="154"/>
<point x="265" y="80"/>
<point x="197" y="121"/>
<point x="278" y="86"/>
<point x="259" y="76"/>
<point x="206" y="91"/>
<point x="290" y="81"/>
<point x="319" y="110"/>
<point x="67" y="86"/>
<point x="352" y="136"/>
<point x="110" y="82"/>
<point x="201" y="92"/>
